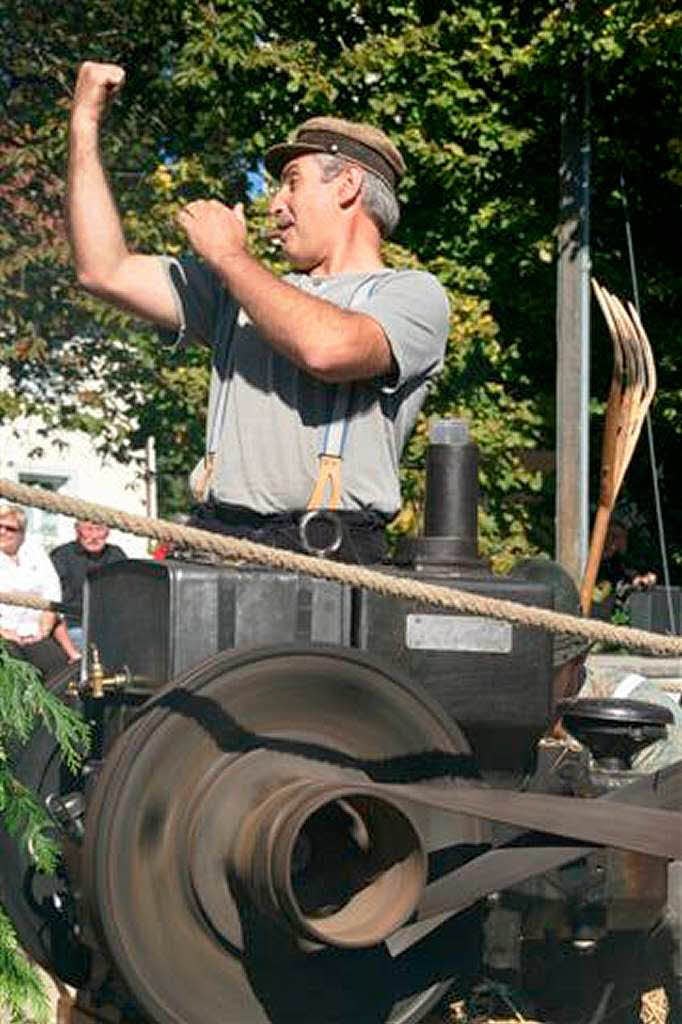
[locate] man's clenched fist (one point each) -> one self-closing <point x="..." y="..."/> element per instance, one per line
<point x="95" y="86"/>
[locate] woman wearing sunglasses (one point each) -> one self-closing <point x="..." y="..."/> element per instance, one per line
<point x="26" y="568"/>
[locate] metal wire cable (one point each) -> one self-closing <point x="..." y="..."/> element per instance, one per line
<point x="649" y="428"/>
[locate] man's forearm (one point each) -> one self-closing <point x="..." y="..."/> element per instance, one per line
<point x="47" y="623"/>
<point x="103" y="263"/>
<point x="331" y="343"/>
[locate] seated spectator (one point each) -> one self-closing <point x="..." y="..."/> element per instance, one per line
<point x="26" y="568"/>
<point x="632" y="686"/>
<point x="74" y="561"/>
<point x="615" y="572"/>
<point x="571" y="679"/>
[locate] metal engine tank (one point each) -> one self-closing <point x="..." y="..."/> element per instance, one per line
<point x="158" y="620"/>
<point x="492" y="677"/>
<point x="279" y="817"/>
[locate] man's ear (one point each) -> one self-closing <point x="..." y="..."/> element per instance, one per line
<point x="350" y="184"/>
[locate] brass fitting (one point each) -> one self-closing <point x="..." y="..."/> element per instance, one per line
<point x="97" y="682"/>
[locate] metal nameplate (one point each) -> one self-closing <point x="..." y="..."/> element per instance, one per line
<point x="458" y="633"/>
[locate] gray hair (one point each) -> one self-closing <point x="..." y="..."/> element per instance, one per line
<point x="378" y="200"/>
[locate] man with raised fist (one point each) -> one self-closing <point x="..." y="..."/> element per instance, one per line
<point x="318" y="375"/>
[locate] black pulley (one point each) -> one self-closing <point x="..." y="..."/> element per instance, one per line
<point x="615" y="730"/>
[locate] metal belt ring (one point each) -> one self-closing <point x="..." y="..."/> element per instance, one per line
<point x="310" y="516"/>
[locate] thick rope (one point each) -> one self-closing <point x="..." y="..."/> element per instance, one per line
<point x="31" y="601"/>
<point x="233" y="549"/>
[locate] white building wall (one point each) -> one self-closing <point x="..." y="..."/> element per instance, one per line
<point x="69" y="464"/>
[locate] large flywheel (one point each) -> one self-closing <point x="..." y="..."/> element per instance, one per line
<point x="237" y="871"/>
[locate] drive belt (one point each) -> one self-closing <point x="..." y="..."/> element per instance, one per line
<point x="641" y="829"/>
<point x="654" y="830"/>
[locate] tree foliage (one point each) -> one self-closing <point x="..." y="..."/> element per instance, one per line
<point x="471" y="91"/>
<point x="26" y="705"/>
<point x="22" y="994"/>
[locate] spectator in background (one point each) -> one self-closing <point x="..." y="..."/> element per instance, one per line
<point x="614" y="571"/>
<point x="26" y="568"/>
<point x="570" y="678"/>
<point x="74" y="561"/>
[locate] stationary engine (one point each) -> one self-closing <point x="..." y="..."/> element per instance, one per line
<point x="305" y="801"/>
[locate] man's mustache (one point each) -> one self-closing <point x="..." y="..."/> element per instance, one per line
<point x="280" y="225"/>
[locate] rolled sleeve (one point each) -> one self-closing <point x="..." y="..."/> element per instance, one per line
<point x="197" y="295"/>
<point x="413" y="309"/>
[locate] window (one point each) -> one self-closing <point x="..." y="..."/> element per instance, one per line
<point x="40" y="524"/>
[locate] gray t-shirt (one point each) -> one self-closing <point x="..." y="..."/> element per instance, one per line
<point x="275" y="414"/>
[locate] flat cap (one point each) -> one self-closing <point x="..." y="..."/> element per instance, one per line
<point x="362" y="143"/>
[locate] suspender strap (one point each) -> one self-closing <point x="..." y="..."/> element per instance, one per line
<point x="202" y="476"/>
<point x="327" y="490"/>
<point x="220" y="364"/>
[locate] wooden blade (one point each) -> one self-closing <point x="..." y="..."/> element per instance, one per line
<point x="633" y="385"/>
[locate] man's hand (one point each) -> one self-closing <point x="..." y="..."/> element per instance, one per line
<point x="96" y="85"/>
<point x="11" y="635"/>
<point x="644" y="581"/>
<point x="216" y="232"/>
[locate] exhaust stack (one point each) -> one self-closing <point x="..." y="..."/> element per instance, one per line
<point x="449" y="543"/>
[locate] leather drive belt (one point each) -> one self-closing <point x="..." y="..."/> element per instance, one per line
<point x="640" y="829"/>
<point x="656" y="831"/>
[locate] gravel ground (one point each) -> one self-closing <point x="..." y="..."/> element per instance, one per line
<point x="487" y="1008"/>
<point x="654" y="1011"/>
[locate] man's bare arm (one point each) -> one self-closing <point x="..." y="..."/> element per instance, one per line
<point x="104" y="265"/>
<point x="331" y="343"/>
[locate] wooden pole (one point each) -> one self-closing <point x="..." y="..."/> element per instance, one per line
<point x="572" y="332"/>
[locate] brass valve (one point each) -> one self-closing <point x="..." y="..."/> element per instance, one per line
<point x="96" y="682"/>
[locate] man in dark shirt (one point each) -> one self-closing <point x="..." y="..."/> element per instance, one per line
<point x="74" y="561"/>
<point x="614" y="570"/>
